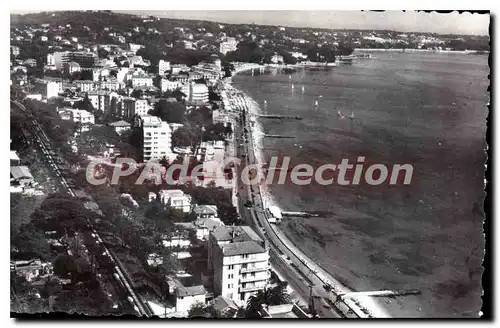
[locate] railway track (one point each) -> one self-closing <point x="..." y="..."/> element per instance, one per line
<point x="120" y="273"/>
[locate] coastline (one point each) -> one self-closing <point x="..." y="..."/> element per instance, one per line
<point x="461" y="52"/>
<point x="363" y="306"/>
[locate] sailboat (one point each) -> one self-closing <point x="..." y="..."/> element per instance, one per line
<point x="289" y="77"/>
<point x="265" y="102"/>
<point x="352" y="116"/>
<point x="316" y="103"/>
<point x="293" y="86"/>
<point x="303" y="89"/>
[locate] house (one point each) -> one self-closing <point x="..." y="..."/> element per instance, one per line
<point x="183" y="297"/>
<point x="174" y="198"/>
<point x="120" y="126"/>
<point x="225" y="306"/>
<point x="21" y="175"/>
<point x="32" y="269"/>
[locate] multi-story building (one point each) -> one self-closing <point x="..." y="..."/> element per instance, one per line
<point x="229" y="45"/>
<point x="167" y="85"/>
<point x="276" y="59"/>
<point x="109" y="84"/>
<point x="84" y="59"/>
<point x="49" y="87"/>
<point x="132" y="107"/>
<point x="163" y="66"/>
<point x="101" y="99"/>
<point x="84" y="85"/>
<point x="72" y="67"/>
<point x="81" y="116"/>
<point x="239" y="260"/>
<point x="157" y="138"/>
<point x="195" y="92"/>
<point x="142" y="80"/>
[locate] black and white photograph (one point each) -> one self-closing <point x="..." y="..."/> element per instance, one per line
<point x="248" y="164"/>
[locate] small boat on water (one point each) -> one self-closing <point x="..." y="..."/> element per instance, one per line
<point x="303" y="89"/>
<point x="339" y="114"/>
<point x="352" y="116"/>
<point x="293" y="87"/>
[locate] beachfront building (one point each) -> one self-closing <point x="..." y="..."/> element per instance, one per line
<point x="157" y="138"/>
<point x="239" y="261"/>
<point x="276" y="59"/>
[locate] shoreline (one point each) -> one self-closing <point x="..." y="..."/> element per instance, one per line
<point x="461" y="52"/>
<point x="375" y="308"/>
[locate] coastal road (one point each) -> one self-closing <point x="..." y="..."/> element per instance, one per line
<point x="280" y="256"/>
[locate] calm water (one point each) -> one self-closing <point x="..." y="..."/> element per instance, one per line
<point x="428" y="110"/>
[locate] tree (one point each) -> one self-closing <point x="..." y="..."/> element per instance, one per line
<point x="270" y="296"/>
<point x="171" y="112"/>
<point x="200" y="310"/>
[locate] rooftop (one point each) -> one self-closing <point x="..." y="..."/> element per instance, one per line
<point x="121" y="123"/>
<point x="236" y="234"/>
<point x="190" y="291"/>
<point x="239" y="248"/>
<point x="20" y="172"/>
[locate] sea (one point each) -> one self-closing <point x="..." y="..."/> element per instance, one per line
<point x="424" y="109"/>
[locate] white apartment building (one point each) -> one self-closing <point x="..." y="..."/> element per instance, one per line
<point x="163" y="66"/>
<point x="174" y="198"/>
<point x="239" y="260"/>
<point x="84" y="85"/>
<point x="142" y="80"/>
<point x="48" y="87"/>
<point x="229" y="45"/>
<point x="111" y="84"/>
<point x="101" y="99"/>
<point x="167" y="85"/>
<point x="196" y="92"/>
<point x="276" y="59"/>
<point x="157" y="138"/>
<point x="80" y="116"/>
<point x="132" y="106"/>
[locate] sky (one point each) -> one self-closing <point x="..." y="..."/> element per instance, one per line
<point x="410" y="21"/>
